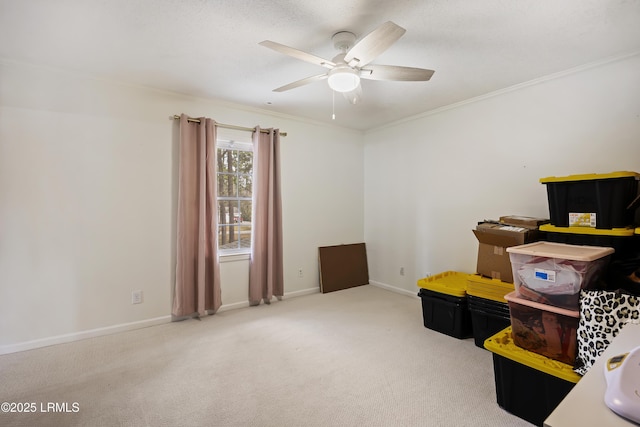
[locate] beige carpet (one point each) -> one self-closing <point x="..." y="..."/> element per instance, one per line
<point x="359" y="357"/>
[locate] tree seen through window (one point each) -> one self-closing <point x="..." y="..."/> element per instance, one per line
<point x="235" y="173"/>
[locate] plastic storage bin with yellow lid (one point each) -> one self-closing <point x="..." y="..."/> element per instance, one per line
<point x="620" y="239"/>
<point x="487" y="318"/>
<point x="592" y="200"/>
<point x="489" y="309"/>
<point x="528" y="385"/>
<point x="444" y="304"/>
<point x="485" y="287"/>
<point x="554" y="273"/>
<point x="451" y="283"/>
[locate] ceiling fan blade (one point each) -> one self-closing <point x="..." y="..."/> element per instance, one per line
<point x="355" y="96"/>
<point x="298" y="54"/>
<point x="302" y="82"/>
<point x="395" y="73"/>
<point x="373" y="44"/>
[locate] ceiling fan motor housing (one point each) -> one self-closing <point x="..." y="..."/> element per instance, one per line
<point x="343" y="40"/>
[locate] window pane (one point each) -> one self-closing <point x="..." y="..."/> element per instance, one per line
<point x="227" y="160"/>
<point x="222" y="160"/>
<point x="244" y="186"/>
<point x="245" y="212"/>
<point x="226" y="209"/>
<point x="228" y="237"/>
<point x="234" y="236"/>
<point x="245" y="162"/>
<point x="227" y="186"/>
<point x="244" y="233"/>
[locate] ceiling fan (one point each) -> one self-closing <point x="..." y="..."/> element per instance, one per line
<point x="353" y="63"/>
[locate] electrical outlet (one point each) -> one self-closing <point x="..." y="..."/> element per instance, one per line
<point x="300" y="274"/>
<point x="402" y="271"/>
<point x="136" y="297"/>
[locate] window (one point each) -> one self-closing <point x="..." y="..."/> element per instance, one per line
<point x="235" y="174"/>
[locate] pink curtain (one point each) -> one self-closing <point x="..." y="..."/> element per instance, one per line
<point x="197" y="285"/>
<point x="266" y="268"/>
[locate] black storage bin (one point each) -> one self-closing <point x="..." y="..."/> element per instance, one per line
<point x="620" y="239"/>
<point x="624" y="273"/>
<point x="519" y="383"/>
<point x="487" y="318"/>
<point x="528" y="385"/>
<point x="447" y="314"/>
<point x="601" y="201"/>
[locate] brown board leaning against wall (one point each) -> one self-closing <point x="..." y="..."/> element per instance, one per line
<point x="342" y="267"/>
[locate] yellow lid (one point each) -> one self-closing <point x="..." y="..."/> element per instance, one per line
<point x="591" y="176"/>
<point x="449" y="282"/>
<point x="611" y="232"/>
<point x="485" y="287"/>
<point x="503" y="345"/>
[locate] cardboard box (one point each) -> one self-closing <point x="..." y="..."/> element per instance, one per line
<point x="523" y="221"/>
<point x="493" y="239"/>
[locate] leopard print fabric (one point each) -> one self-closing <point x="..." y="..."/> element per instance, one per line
<point x="602" y="315"/>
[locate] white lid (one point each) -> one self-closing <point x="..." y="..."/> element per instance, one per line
<point x="562" y="250"/>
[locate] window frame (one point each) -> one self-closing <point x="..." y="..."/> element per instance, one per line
<point x="233" y="145"/>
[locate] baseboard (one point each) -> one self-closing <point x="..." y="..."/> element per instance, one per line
<point x="301" y="293"/>
<point x="243" y="304"/>
<point x="394" y="289"/>
<point x="77" y="336"/>
<point x="92" y="333"/>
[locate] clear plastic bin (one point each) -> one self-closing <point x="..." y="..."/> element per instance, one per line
<point x="554" y="273"/>
<point x="544" y="329"/>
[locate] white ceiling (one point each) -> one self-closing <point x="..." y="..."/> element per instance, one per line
<point x="210" y="48"/>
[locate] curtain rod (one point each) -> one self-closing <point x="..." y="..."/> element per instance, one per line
<point x="222" y="125"/>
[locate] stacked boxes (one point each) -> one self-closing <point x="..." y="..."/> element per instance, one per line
<point x="486" y="290"/>
<point x="591" y="218"/>
<point x="598" y="210"/>
<point x="544" y="307"/>
<point x="461" y="305"/>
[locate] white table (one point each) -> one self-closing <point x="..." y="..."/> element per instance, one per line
<point x="584" y="406"/>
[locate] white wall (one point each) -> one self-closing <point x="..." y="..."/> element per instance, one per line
<point x="87" y="202"/>
<point x="87" y="188"/>
<point x="429" y="180"/>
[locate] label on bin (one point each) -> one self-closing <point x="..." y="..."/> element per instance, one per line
<point x="582" y="219"/>
<point x="546" y="275"/>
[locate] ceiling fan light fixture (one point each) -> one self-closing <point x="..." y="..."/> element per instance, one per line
<point x="343" y="79"/>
